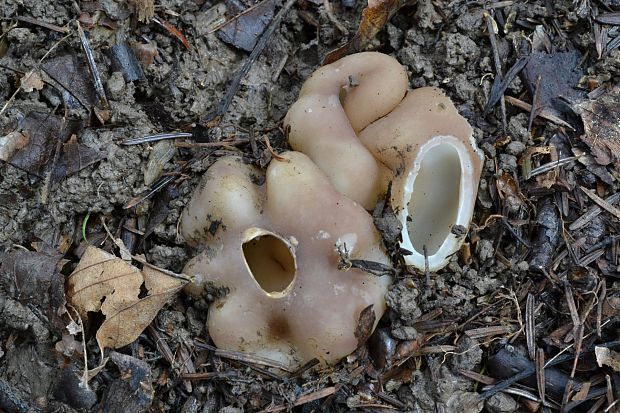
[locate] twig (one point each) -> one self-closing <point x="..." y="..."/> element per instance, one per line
<point x="491" y="25"/>
<point x="306" y="398"/>
<point x="543" y="113"/>
<point x="535" y="109"/>
<point x="243" y="357"/>
<point x="592" y="213"/>
<point x="330" y="14"/>
<point x="601" y="202"/>
<point x="158" y="186"/>
<point x="552" y="165"/>
<point x="50" y="26"/>
<point x="155" y="138"/>
<point x="505" y="384"/>
<point x="92" y="66"/>
<point x="530" y="330"/>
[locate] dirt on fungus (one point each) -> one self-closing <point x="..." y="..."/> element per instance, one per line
<point x="440" y="340"/>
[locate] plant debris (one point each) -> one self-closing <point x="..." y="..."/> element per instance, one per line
<point x="601" y="120"/>
<point x="244" y="29"/>
<point x="374" y="17"/>
<point x="43" y="141"/>
<point x="559" y="75"/>
<point x="68" y="71"/>
<point x="34" y="279"/>
<point x="128" y="297"/>
<point x="132" y="391"/>
<point x="523" y="318"/>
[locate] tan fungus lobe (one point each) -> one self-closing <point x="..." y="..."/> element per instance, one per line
<point x="270" y="239"/>
<point x="363" y="134"/>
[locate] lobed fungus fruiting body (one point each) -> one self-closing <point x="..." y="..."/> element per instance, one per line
<point x="270" y="239"/>
<point x="375" y="131"/>
<point x="323" y="123"/>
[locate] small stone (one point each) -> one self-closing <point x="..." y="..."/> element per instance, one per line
<point x="500" y="403"/>
<point x="405" y="333"/>
<point x="470" y="20"/>
<point x="507" y="162"/>
<point x="517" y="127"/>
<point x="116" y="85"/>
<point x="485" y="249"/>
<point x="515" y="148"/>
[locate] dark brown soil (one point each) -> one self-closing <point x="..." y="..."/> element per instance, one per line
<point x="526" y="273"/>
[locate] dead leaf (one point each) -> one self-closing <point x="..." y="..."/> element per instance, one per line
<point x="133" y="390"/>
<point x="374" y="17"/>
<point x="32" y="147"/>
<point x="34" y="279"/>
<point x="73" y="75"/>
<point x="601" y="123"/>
<point x="10" y="144"/>
<point x="42" y="132"/>
<point x="74" y="158"/>
<point x="510" y="192"/>
<point x="31" y="81"/>
<point x="128" y="297"/>
<point x="160" y="208"/>
<point x="365" y="325"/>
<point x="243" y="30"/>
<point x="559" y="76"/>
<point x="172" y="30"/>
<point x="605" y="356"/>
<point x="611" y="306"/>
<point x="583" y="392"/>
<point x="145" y="52"/>
<point x="525" y="161"/>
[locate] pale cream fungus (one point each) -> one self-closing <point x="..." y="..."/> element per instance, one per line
<point x="271" y="237"/>
<point x="271" y="240"/>
<point x="352" y="121"/>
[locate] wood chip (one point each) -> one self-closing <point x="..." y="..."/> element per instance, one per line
<point x="488" y="331"/>
<point x="306" y="398"/>
<point x="530" y="332"/>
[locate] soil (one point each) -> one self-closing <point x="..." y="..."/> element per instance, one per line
<point x="441" y="43"/>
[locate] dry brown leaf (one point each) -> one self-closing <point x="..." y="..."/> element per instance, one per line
<point x="509" y="190"/>
<point x="601" y="120"/>
<point x="103" y="282"/>
<point x="31" y="81"/>
<point x="10" y="144"/>
<point x="374" y="17"/>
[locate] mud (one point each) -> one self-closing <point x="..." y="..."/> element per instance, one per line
<point x="448" y="49"/>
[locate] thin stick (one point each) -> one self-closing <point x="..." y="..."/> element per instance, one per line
<point x="88" y="51"/>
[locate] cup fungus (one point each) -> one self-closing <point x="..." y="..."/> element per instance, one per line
<point x="270" y="238"/>
<point x="358" y="122"/>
